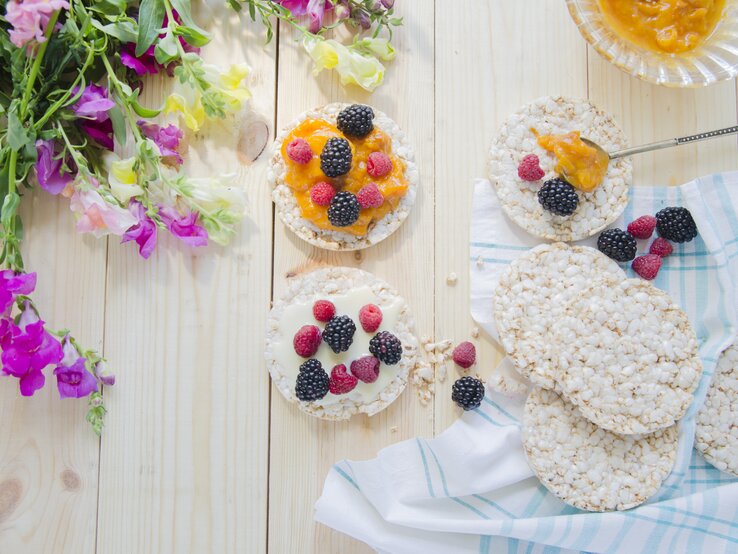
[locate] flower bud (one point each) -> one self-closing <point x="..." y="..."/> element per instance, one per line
<point x="342" y="11"/>
<point x="388" y="3"/>
<point x="362" y="18"/>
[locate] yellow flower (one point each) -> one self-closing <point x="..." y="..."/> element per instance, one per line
<point x="227" y="86"/>
<point x="380" y="47"/>
<point x="122" y="178"/>
<point x="353" y="67"/>
<point x="192" y="112"/>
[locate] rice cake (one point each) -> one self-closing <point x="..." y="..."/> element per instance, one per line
<point x="716" y="436"/>
<point x="627" y="358"/>
<point x="289" y="210"/>
<point x="532" y="296"/>
<point x="558" y="115"/>
<point x="588" y="467"/>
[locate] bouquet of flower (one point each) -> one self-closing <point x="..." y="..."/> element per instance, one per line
<point x="360" y="61"/>
<point x="72" y="124"/>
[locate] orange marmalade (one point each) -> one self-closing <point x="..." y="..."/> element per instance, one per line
<point x="579" y="163"/>
<point x="301" y="178"/>
<point x="671" y="26"/>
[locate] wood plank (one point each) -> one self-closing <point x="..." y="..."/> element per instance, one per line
<point x="648" y="113"/>
<point x="184" y="457"/>
<point x="48" y="452"/>
<point x="304" y="448"/>
<point x="491" y="58"/>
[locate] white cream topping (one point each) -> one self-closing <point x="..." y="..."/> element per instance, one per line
<point x="299" y="314"/>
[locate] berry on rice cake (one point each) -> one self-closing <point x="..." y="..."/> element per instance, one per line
<point x="340" y="342"/>
<point x="537" y="202"/>
<point x="343" y="176"/>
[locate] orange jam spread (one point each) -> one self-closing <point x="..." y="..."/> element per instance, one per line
<point x="580" y="164"/>
<point x="301" y="177"/>
<point x="671" y="26"/>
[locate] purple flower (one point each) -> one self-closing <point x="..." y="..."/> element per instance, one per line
<point x="27" y="349"/>
<point x="92" y="108"/>
<point x="315" y="9"/>
<point x="12" y="284"/>
<point x="166" y="138"/>
<point x="184" y="227"/>
<point x="143" y="232"/>
<point x="49" y="172"/>
<point x="30" y="18"/>
<point x="101" y="373"/>
<point x="72" y="378"/>
<point x="146" y="62"/>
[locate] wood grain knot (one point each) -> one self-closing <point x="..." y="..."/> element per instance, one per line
<point x="11" y="491"/>
<point x="71" y="480"/>
<point x="253" y="139"/>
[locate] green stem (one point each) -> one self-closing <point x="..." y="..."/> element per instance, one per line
<point x="36" y="67"/>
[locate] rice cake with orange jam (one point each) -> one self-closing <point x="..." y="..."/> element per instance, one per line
<point x="292" y="182"/>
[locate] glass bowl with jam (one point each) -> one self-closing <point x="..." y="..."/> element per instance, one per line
<point x="676" y="43"/>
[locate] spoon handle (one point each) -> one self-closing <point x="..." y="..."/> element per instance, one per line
<point x="673" y="142"/>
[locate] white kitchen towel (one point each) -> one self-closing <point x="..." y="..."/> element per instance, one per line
<point x="470" y="488"/>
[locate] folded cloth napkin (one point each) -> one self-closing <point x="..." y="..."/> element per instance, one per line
<point x="471" y="490"/>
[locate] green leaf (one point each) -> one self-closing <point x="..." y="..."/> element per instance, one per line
<point x="119" y="125"/>
<point x="193" y="36"/>
<point x="124" y="30"/>
<point x="10" y="206"/>
<point x="18" y="135"/>
<point x="109" y="7"/>
<point x="166" y="49"/>
<point x="234" y="4"/>
<point x="143" y="111"/>
<point x="150" y="19"/>
<point x="185" y="15"/>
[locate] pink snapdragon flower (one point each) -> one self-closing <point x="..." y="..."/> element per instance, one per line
<point x="143" y="232"/>
<point x="167" y="139"/>
<point x="314" y="9"/>
<point x="184" y="227"/>
<point x="96" y="216"/>
<point x="11" y="285"/>
<point x="30" y="18"/>
<point x="92" y="108"/>
<point x="49" y="172"/>
<point x="72" y="378"/>
<point x="27" y="349"/>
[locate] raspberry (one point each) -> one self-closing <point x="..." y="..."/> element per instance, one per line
<point x="378" y="164"/>
<point x="370" y="317"/>
<point x="647" y="266"/>
<point x="299" y="151"/>
<point x="465" y="355"/>
<point x="661" y="247"/>
<point x="341" y="382"/>
<point x="366" y="369"/>
<point x="370" y="196"/>
<point x="529" y="169"/>
<point x="307" y="341"/>
<point x="322" y="193"/>
<point x="642" y="228"/>
<point x="324" y="310"/>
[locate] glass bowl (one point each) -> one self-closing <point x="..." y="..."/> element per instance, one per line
<point x="716" y="59"/>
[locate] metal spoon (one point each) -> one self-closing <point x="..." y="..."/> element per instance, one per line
<point x="662" y="144"/>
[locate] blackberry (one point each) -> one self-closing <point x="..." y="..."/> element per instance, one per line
<point x="468" y="392"/>
<point x="312" y="381"/>
<point x="617" y="244"/>
<point x="344" y="209"/>
<point x="387" y="347"/>
<point x="335" y="159"/>
<point x="558" y="196"/>
<point x="676" y="224"/>
<point x="339" y="333"/>
<point x="356" y="121"/>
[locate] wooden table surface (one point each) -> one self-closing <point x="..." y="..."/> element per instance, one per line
<point x="200" y="453"/>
